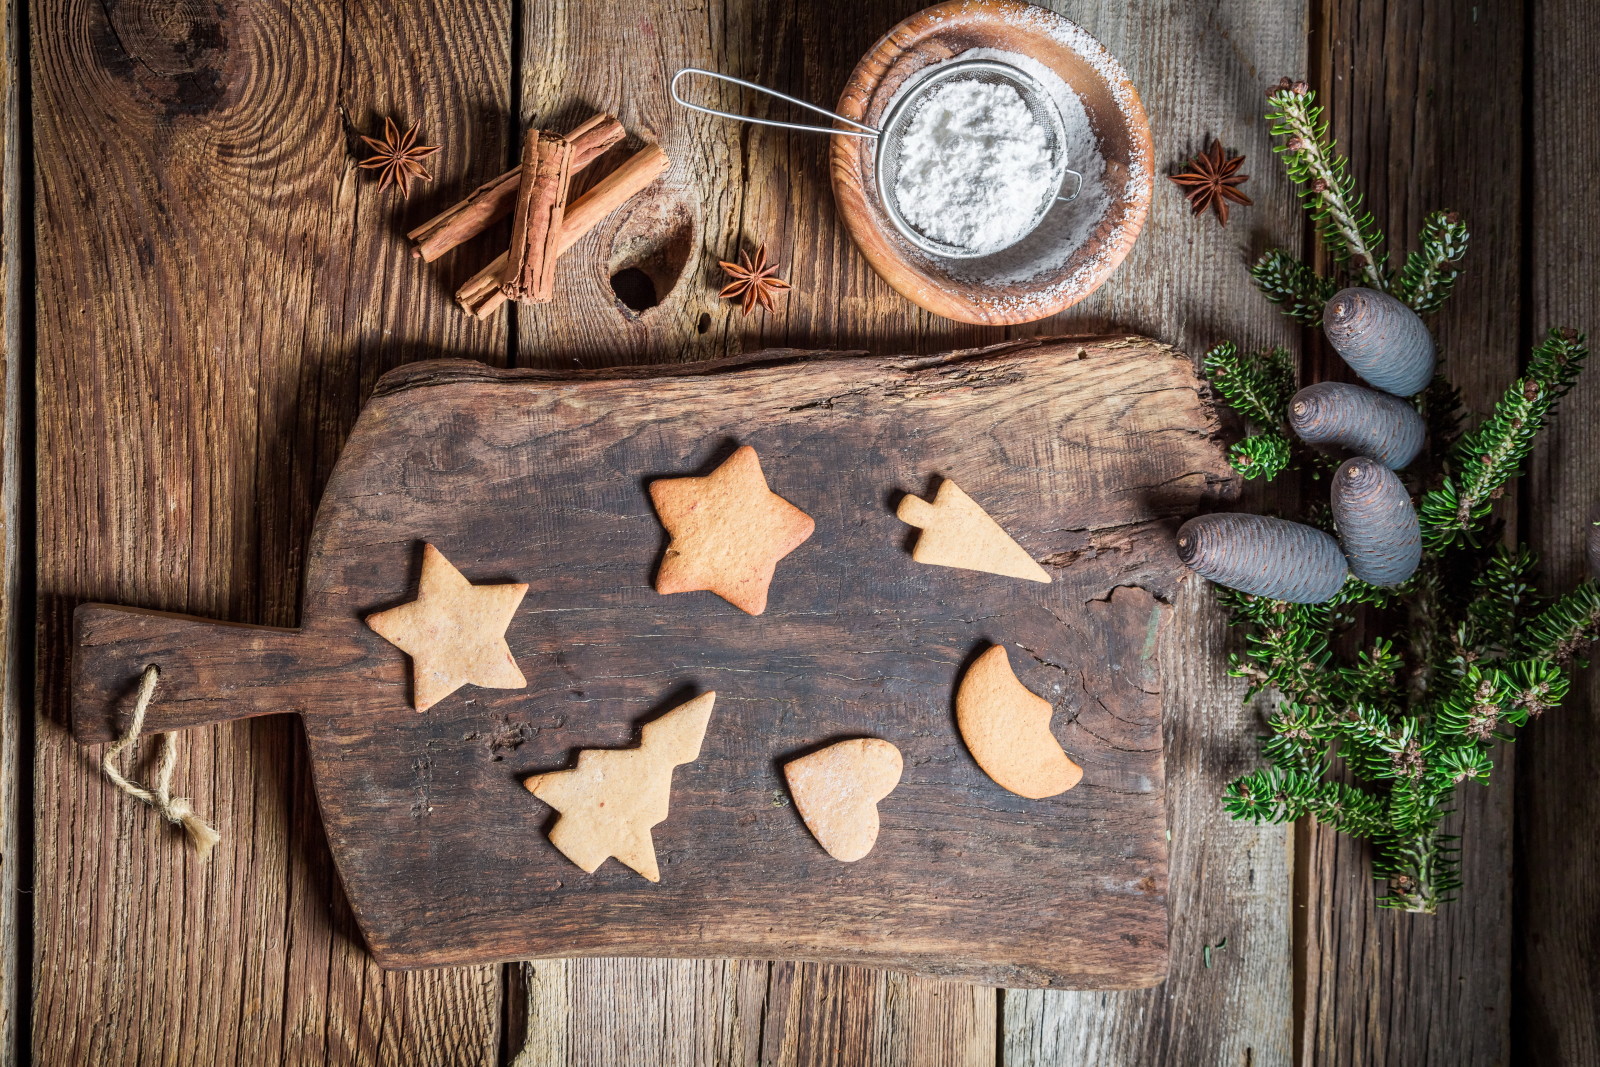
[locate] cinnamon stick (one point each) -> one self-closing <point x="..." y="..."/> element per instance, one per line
<point x="482" y="294"/>
<point x="610" y="193"/>
<point x="536" y="227"/>
<point x="494" y="199"/>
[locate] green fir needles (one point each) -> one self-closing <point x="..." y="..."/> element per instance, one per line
<point x="1456" y="656"/>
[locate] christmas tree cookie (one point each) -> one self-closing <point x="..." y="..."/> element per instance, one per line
<point x="611" y="799"/>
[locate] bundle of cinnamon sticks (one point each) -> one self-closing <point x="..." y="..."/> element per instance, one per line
<point x="544" y="223"/>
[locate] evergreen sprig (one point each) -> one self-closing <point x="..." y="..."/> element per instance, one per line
<point x="1349" y="233"/>
<point x="1258" y="385"/>
<point x="1484" y="460"/>
<point x="1286" y="280"/>
<point x="1376" y="743"/>
<point x="1264" y="455"/>
<point x="1430" y="272"/>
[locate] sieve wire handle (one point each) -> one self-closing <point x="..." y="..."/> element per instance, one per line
<point x="1076" y="189"/>
<point x="859" y="131"/>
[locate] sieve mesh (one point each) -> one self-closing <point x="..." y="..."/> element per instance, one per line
<point x="915" y="96"/>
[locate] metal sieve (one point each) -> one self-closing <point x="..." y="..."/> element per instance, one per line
<point x="908" y="102"/>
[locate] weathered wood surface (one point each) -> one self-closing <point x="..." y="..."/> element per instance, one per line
<point x="1425" y="129"/>
<point x="15" y="711"/>
<point x="1088" y="452"/>
<point x="1185" y="279"/>
<point x="1556" y="992"/>
<point x="218" y="288"/>
<point x="750" y="1013"/>
<point x="143" y="181"/>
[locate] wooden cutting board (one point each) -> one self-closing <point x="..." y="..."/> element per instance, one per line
<point x="1089" y="452"/>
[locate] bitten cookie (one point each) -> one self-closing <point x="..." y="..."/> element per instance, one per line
<point x="728" y="532"/>
<point x="956" y="532"/>
<point x="1007" y="730"/>
<point x="837" y="789"/>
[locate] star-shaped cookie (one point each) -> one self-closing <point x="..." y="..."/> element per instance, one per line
<point x="454" y="632"/>
<point x="728" y="532"/>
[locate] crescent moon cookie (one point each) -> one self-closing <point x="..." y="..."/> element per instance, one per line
<point x="1007" y="729"/>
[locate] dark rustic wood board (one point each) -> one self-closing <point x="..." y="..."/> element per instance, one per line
<point x="1088" y="451"/>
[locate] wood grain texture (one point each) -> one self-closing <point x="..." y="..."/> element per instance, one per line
<point x="15" y="709"/>
<point x="1557" y="976"/>
<point x="1425" y="129"/>
<point x="749" y="185"/>
<point x="1074" y="268"/>
<point x="1089" y="451"/>
<point x="218" y="287"/>
<point x="1185" y="280"/>
<point x="731" y="187"/>
<point x="749" y="1013"/>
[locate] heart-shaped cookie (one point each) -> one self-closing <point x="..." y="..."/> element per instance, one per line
<point x="1007" y="730"/>
<point x="837" y="789"/>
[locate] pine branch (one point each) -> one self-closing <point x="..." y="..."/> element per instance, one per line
<point x="1349" y="233"/>
<point x="1475" y="707"/>
<point x="1275" y="795"/>
<point x="1298" y="740"/>
<point x="1373" y="674"/>
<point x="1286" y="280"/>
<point x="1258" y="385"/>
<point x="1503" y="593"/>
<point x="1415" y="715"/>
<point x="1289" y="651"/>
<point x="1488" y="457"/>
<point x="1263" y="456"/>
<point x="1430" y="273"/>
<point x="1566" y="627"/>
<point x="1423" y="871"/>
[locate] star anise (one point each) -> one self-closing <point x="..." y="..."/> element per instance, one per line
<point x="754" y="280"/>
<point x="399" y="158"/>
<point x="1210" y="180"/>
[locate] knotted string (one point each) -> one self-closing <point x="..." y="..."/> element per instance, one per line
<point x="158" y="794"/>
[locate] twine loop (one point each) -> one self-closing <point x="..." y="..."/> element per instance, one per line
<point x="158" y="794"/>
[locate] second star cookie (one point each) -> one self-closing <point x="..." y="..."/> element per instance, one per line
<point x="728" y="532"/>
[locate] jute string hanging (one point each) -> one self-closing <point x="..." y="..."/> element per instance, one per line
<point x="158" y="794"/>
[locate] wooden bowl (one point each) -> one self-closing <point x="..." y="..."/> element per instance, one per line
<point x="1079" y="244"/>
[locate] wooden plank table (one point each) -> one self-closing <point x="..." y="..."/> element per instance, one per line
<point x="215" y="287"/>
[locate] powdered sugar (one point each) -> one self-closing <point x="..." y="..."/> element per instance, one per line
<point x="1068" y="226"/>
<point x="974" y="167"/>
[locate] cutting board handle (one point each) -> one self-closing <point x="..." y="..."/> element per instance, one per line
<point x="210" y="671"/>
